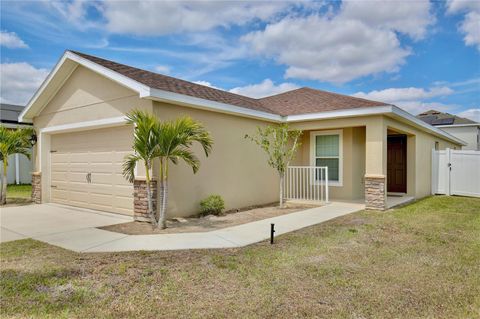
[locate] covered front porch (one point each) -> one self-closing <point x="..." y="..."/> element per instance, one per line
<point x="368" y="160"/>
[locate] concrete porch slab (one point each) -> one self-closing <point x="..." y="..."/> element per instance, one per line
<point x="393" y="201"/>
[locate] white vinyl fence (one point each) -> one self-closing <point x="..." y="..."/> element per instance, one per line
<point x="456" y="172"/>
<point x="306" y="183"/>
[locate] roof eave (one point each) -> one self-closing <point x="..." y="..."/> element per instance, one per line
<point x="425" y="126"/>
<point x="34" y="106"/>
<point x="195" y="102"/>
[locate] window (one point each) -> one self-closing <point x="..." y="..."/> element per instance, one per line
<point x="326" y="150"/>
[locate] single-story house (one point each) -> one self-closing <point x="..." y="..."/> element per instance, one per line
<point x="19" y="166"/>
<point x="463" y="128"/>
<point x="371" y="148"/>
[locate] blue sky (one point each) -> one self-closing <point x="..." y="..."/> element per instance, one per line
<point x="418" y="55"/>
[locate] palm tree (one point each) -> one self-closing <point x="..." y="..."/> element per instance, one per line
<point x="175" y="139"/>
<point x="12" y="141"/>
<point x="145" y="145"/>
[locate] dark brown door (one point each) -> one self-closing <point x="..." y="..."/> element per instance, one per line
<point x="397" y="164"/>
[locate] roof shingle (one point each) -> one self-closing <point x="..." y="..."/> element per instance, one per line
<point x="300" y="101"/>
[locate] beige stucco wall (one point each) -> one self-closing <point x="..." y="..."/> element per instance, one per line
<point x="236" y="169"/>
<point x="469" y="134"/>
<point x="353" y="162"/>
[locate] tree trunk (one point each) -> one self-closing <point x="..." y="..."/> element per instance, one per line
<point x="4" y="182"/>
<point x="282" y="176"/>
<point x="149" y="199"/>
<point x="163" y="211"/>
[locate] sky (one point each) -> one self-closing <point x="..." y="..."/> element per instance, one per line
<point x="418" y="55"/>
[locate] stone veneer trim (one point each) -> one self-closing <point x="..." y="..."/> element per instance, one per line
<point x="140" y="201"/>
<point x="375" y="194"/>
<point x="37" y="187"/>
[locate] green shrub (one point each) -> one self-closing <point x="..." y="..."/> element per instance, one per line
<point x="213" y="204"/>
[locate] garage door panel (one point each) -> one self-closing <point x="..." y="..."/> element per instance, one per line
<point x="60" y="158"/>
<point x="79" y="157"/>
<point x="118" y="179"/>
<point x="60" y="167"/>
<point x="101" y="153"/>
<point x="59" y="176"/>
<point x="102" y="199"/>
<point x="101" y="168"/>
<point x="59" y="193"/>
<point x="79" y="196"/>
<point x="77" y="177"/>
<point x="110" y="179"/>
<point x="123" y="191"/>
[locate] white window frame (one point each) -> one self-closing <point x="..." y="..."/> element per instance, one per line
<point x="313" y="157"/>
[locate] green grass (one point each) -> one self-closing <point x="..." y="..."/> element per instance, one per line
<point x="422" y="260"/>
<point x="19" y="194"/>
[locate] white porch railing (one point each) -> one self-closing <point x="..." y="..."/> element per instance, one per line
<point x="306" y="183"/>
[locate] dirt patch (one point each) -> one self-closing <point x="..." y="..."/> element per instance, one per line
<point x="207" y="223"/>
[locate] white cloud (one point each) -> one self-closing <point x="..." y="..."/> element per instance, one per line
<point x="411" y="99"/>
<point x="11" y="40"/>
<point x="471" y="28"/>
<point x="456" y="6"/>
<point x="165" y="17"/>
<point x="404" y="94"/>
<point x="409" y="17"/>
<point x="264" y="88"/>
<point x="19" y="82"/>
<point x="206" y="83"/>
<point x="359" y="40"/>
<point x="472" y="114"/>
<point x="470" y="25"/>
<point x="164" y="69"/>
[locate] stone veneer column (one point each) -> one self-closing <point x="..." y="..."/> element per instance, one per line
<point x="375" y="195"/>
<point x="140" y="201"/>
<point x="37" y="187"/>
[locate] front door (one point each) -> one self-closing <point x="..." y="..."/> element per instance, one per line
<point x="397" y="164"/>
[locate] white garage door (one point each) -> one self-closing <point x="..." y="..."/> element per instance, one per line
<point x="86" y="169"/>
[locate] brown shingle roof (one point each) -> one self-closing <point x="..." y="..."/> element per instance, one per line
<point x="307" y="100"/>
<point x="299" y="101"/>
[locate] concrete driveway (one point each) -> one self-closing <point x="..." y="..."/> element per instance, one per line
<point x="46" y="220"/>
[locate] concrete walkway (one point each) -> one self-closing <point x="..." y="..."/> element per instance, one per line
<point x="74" y="229"/>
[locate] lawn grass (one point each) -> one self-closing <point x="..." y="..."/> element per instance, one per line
<point x="19" y="194"/>
<point x="422" y="260"/>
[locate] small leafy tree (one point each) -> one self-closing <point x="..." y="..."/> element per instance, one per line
<point x="12" y="141"/>
<point x="145" y="145"/>
<point x="281" y="144"/>
<point x="175" y="139"/>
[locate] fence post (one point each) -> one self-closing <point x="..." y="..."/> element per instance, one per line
<point x="326" y="184"/>
<point x="448" y="156"/>
<point x="434" y="172"/>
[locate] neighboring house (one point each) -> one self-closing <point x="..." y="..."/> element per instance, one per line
<point x="463" y="128"/>
<point x="79" y="116"/>
<point x="19" y="166"/>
